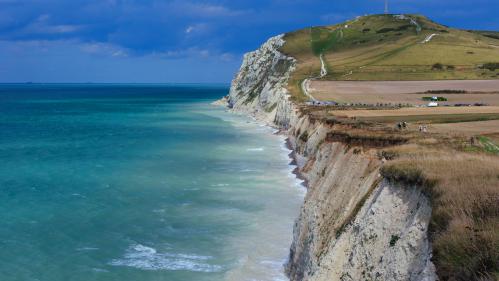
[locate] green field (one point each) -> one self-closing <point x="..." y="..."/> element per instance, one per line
<point x="385" y="47"/>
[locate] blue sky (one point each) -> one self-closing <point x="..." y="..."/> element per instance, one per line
<point x="179" y="41"/>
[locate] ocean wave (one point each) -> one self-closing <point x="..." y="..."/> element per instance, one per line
<point x="256" y="149"/>
<point x="84" y="249"/>
<point x="147" y="258"/>
<point x="220" y="184"/>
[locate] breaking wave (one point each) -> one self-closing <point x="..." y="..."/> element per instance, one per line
<point x="147" y="258"/>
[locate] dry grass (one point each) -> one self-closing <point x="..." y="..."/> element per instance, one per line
<point x="464" y="189"/>
<point x="461" y="180"/>
<point x="469" y="128"/>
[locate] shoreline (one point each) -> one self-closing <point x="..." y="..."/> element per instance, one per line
<point x="297" y="185"/>
<point x="294" y="162"/>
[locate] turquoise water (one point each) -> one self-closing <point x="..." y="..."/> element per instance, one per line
<point x="139" y="182"/>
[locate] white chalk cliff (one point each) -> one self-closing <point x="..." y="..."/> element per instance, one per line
<point x="353" y="225"/>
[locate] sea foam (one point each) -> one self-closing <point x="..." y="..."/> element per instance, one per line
<point x="148" y="258"/>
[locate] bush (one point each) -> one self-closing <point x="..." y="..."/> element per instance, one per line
<point x="437" y="66"/>
<point x="492" y="66"/>
<point x="493" y="36"/>
<point x="394" y="240"/>
<point x="304" y="137"/>
<point x="448" y="91"/>
<point x="406" y="174"/>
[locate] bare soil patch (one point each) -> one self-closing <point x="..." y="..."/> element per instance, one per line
<point x="415" y="111"/>
<point x="406" y="92"/>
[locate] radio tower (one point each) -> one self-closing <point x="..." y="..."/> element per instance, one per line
<point x="386" y="6"/>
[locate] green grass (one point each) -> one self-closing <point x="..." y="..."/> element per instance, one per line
<point x="382" y="47"/>
<point x="489" y="145"/>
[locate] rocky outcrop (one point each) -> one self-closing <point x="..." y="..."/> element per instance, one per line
<point x="259" y="88"/>
<point x="354" y="225"/>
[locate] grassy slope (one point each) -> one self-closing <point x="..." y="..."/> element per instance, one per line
<point x="461" y="178"/>
<point x="382" y="47"/>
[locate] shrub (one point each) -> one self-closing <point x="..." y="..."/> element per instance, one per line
<point x="304" y="136"/>
<point x="394" y="240"/>
<point x="492" y="66"/>
<point x="446" y="91"/>
<point x="437" y="66"/>
<point x="387" y="154"/>
<point x="406" y="173"/>
<point x="493" y="36"/>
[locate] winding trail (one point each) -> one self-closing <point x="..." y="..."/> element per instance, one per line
<point x="428" y="38"/>
<point x="305" y="85"/>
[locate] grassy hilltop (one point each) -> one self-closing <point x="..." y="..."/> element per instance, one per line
<point x="391" y="47"/>
<point x="456" y="161"/>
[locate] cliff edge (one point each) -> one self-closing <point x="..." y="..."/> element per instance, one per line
<point x="354" y="224"/>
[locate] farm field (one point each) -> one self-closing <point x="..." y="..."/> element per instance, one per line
<point x="406" y="92"/>
<point x="412" y="111"/>
<point x="390" y="48"/>
<point x="469" y="128"/>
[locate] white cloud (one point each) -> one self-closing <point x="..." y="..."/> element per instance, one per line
<point x="197" y="53"/>
<point x="204" y="9"/>
<point x="197" y="28"/>
<point x="98" y="48"/>
<point x="42" y="26"/>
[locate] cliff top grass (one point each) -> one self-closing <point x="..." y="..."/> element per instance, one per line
<point x="460" y="176"/>
<point x="391" y="47"/>
<point x="458" y="172"/>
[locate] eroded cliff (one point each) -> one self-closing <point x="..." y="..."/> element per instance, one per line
<point x="354" y="225"/>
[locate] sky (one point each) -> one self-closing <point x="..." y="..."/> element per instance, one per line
<point x="177" y="41"/>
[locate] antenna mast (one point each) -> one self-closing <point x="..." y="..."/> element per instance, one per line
<point x="386" y="6"/>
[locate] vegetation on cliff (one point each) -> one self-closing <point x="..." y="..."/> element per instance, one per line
<point x="460" y="177"/>
<point x="390" y="47"/>
<point x="465" y="199"/>
<point x="458" y="174"/>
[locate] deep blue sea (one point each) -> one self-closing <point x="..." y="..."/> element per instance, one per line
<point x="139" y="182"/>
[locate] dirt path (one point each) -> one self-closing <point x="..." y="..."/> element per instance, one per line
<point x="305" y="85"/>
<point x="428" y="38"/>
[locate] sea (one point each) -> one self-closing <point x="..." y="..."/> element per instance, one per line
<point x="118" y="182"/>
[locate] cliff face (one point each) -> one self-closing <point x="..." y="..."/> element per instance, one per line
<point x="259" y="87"/>
<point x="353" y="225"/>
